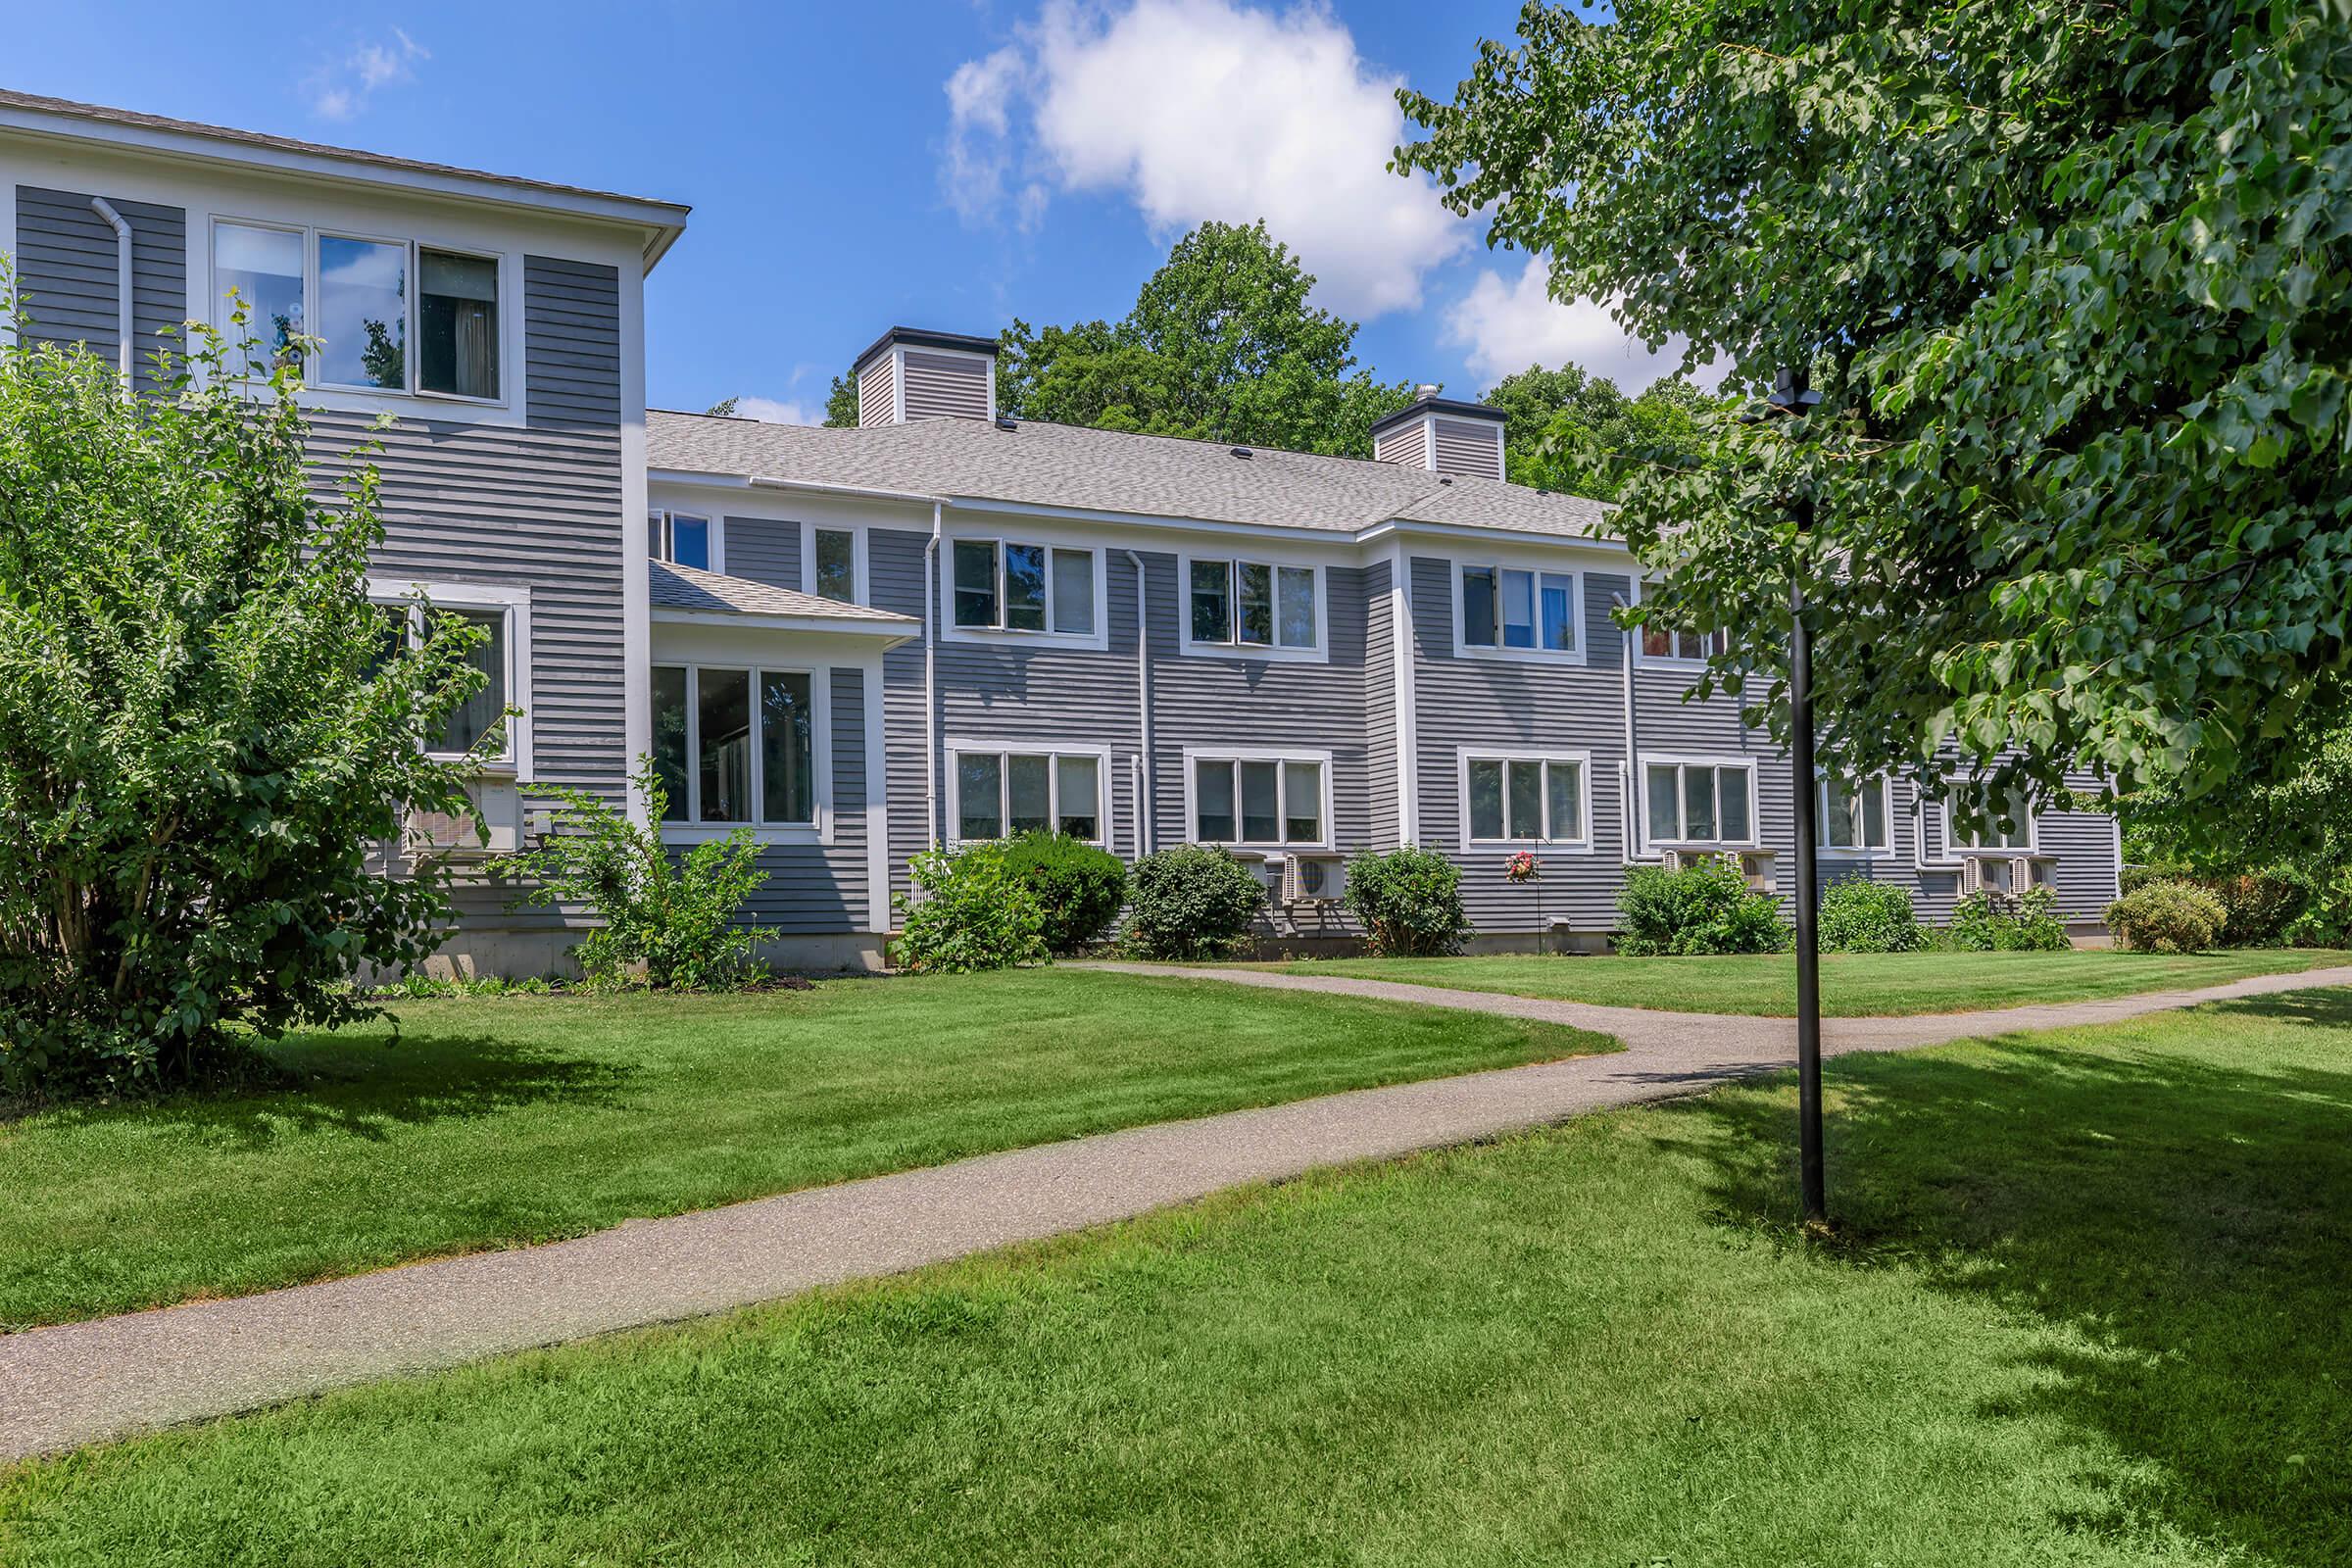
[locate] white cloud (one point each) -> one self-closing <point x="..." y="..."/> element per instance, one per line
<point x="340" y="88"/>
<point x="1511" y="325"/>
<point x="1198" y="110"/>
<point x="774" y="410"/>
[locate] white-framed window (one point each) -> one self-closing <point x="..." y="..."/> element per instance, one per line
<point x="1270" y="798"/>
<point x="1258" y="609"/>
<point x="2005" y="824"/>
<point x="1520" y="612"/>
<point x="1699" y="800"/>
<point x="683" y="539"/>
<point x="740" y="745"/>
<point x="997" y="791"/>
<point x="503" y="656"/>
<point x="1854" y="817"/>
<point x="1039" y="589"/>
<point x="392" y="315"/>
<point x="1662" y="645"/>
<point x="833" y="562"/>
<point x="1527" y="798"/>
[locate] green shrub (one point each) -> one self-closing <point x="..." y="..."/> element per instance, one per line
<point x="974" y="913"/>
<point x="1706" y="908"/>
<point x="2167" y="917"/>
<point x="2001" y="923"/>
<point x="1859" y="916"/>
<point x="1079" y="888"/>
<point x="668" y="920"/>
<point x="1192" y="901"/>
<point x="2325" y="918"/>
<point x="1409" y="901"/>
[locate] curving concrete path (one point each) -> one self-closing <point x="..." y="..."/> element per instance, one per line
<point x="80" y="1383"/>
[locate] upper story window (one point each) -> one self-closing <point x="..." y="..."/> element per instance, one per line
<point x="1518" y="608"/>
<point x="1525" y="798"/>
<point x="439" y="338"/>
<point x="1004" y="793"/>
<point x="1657" y="642"/>
<point x="1003" y="585"/>
<point x="1270" y="800"/>
<point x="1253" y="605"/>
<point x="2005" y="823"/>
<point x="1853" y="816"/>
<point x="736" y="745"/>
<point x="833" y="570"/>
<point x="680" y="539"/>
<point x="1701" y="801"/>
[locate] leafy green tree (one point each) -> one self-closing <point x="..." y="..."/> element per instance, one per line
<point x="207" y="731"/>
<point x="1222" y="345"/>
<point x="724" y="407"/>
<point x="2074" y="280"/>
<point x="841" y="404"/>
<point x="1573" y="431"/>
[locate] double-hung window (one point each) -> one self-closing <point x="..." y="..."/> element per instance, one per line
<point x="1853" y="816"/>
<point x="1002" y="793"/>
<point x="1004" y="585"/>
<point x="736" y="745"/>
<point x="1253" y="605"/>
<point x="1701" y="801"/>
<point x="2005" y="823"/>
<point x="388" y="315"/>
<point x="680" y="539"/>
<point x="1525" y="798"/>
<point x="1260" y="800"/>
<point x="1516" y="608"/>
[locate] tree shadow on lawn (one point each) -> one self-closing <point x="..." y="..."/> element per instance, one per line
<point x="365" y="1088"/>
<point x="2186" y="1218"/>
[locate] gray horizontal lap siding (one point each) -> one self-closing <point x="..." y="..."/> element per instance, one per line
<point x="765" y="550"/>
<point x="878" y="393"/>
<point x="946" y="386"/>
<point x="895" y="576"/>
<point x="1463" y="446"/>
<point x="68" y="274"/>
<point x="815" y="889"/>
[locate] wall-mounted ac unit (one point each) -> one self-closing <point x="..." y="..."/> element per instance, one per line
<point x="1314" y="879"/>
<point x="1681" y="859"/>
<point x="493" y="825"/>
<point x="1761" y="867"/>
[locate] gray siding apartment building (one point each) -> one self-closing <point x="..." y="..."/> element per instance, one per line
<point x="943" y="625"/>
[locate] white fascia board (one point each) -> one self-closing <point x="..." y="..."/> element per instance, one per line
<point x="896" y="630"/>
<point x="1493" y="538"/>
<point x="691" y="477"/>
<point x="1155" y="522"/>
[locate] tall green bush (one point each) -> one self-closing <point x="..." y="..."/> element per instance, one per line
<point x="1409" y="900"/>
<point x="204" y="735"/>
<point x="670" y="919"/>
<point x="1079" y="888"/>
<point x="972" y="911"/>
<point x="1192" y="901"/>
<point x="1706" y="908"/>
<point x="2167" y="917"/>
<point x="1859" y="916"/>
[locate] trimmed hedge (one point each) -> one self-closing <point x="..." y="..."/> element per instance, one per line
<point x="1194" y="900"/>
<point x="1859" y="916"/>
<point x="1079" y="887"/>
<point x="1706" y="908"/>
<point x="2167" y="917"/>
<point x="1409" y="901"/>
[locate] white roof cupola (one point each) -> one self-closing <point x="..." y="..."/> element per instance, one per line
<point x="910" y="373"/>
<point x="1443" y="435"/>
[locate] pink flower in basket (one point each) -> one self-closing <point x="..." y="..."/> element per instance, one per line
<point x="1520" y="867"/>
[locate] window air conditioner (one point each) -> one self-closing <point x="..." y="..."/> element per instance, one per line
<point x="1314" y="879"/>
<point x="494" y="825"/>
<point x="2010" y="874"/>
<point x="1762" y="868"/>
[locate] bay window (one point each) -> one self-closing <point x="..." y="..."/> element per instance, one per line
<point x="1260" y="800"/>
<point x="736" y="745"/>
<point x="1701" y="801"/>
<point x="1524" y="799"/>
<point x="1252" y="605"/>
<point x="1853" y="816"/>
<point x="1515" y="608"/>
<point x="1003" y="585"/>
<point x="1005" y="793"/>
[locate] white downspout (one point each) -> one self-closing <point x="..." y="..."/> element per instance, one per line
<point x="1143" y="710"/>
<point x="105" y="209"/>
<point x="1632" y="764"/>
<point x="930" y="680"/>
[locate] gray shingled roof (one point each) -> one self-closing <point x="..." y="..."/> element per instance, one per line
<point x="1109" y="471"/>
<point x="676" y="587"/>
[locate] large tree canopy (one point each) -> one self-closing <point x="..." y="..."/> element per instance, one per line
<point x="2071" y="278"/>
<point x="1570" y="430"/>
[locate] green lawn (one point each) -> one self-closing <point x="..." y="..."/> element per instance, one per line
<point x="1852" y="985"/>
<point x="2087" y="1306"/>
<point x="497" y="1123"/>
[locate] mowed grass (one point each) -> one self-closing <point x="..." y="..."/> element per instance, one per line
<point x="497" y="1122"/>
<point x="2087" y="1305"/>
<point x="1852" y="985"/>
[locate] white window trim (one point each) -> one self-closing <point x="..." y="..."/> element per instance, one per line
<point x="820" y="753"/>
<point x="1682" y="759"/>
<point x="1641" y="657"/>
<point x="511" y="340"/>
<point x="1047" y="539"/>
<point x="1574" y="654"/>
<point x="1955" y="852"/>
<point x="955" y="749"/>
<point x="515" y="601"/>
<point x="1581" y="845"/>
<point x="715" y="531"/>
<point x="1821" y="804"/>
<point x="1193" y="756"/>
<point x="1256" y="652"/>
<point x="857" y="550"/>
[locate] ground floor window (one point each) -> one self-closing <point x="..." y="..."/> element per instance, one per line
<point x="1535" y="799"/>
<point x="1002" y="794"/>
<point x="736" y="745"/>
<point x="2005" y="822"/>
<point x="1853" y="816"/>
<point x="1701" y="801"/>
<point x="1260" y="800"/>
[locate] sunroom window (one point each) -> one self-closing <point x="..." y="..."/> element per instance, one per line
<point x="1008" y="793"/>
<point x="1257" y="801"/>
<point x="1700" y="803"/>
<point x="735" y="745"/>
<point x="1507" y="607"/>
<point x="1250" y="604"/>
<point x="1538" y="799"/>
<point x="1003" y="585"/>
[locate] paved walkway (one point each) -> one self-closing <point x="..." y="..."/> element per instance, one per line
<point x="81" y="1383"/>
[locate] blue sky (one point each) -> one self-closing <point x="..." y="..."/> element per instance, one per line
<point x="950" y="164"/>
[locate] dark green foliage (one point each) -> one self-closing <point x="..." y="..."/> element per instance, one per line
<point x="1194" y="900"/>
<point x="2074" y="283"/>
<point x="972" y="911"/>
<point x="204" y="738"/>
<point x="1570" y="431"/>
<point x="1409" y="901"/>
<point x="2001" y="923"/>
<point x="670" y="919"/>
<point x="1859" y="916"/>
<point x="1079" y="888"/>
<point x="1707" y="908"/>
<point x="2167" y="917"/>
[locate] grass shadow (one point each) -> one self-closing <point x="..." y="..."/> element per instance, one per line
<point x="2182" y="1221"/>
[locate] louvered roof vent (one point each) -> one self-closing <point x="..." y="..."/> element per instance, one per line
<point x="911" y="373"/>
<point x="1443" y="435"/>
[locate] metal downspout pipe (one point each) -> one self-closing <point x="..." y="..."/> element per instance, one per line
<point x="122" y="294"/>
<point x="931" y="679"/>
